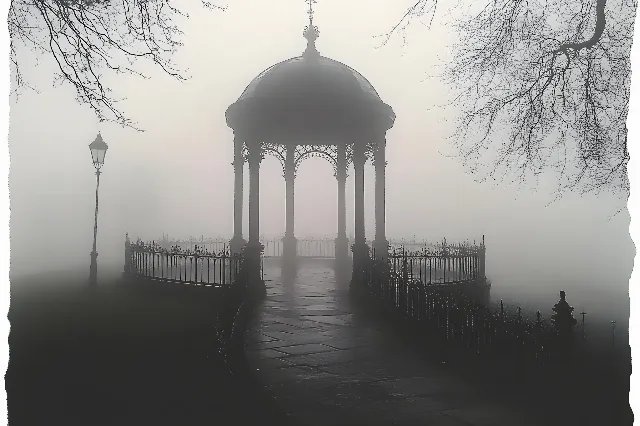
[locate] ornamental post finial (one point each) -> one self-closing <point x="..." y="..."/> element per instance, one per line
<point x="311" y="33"/>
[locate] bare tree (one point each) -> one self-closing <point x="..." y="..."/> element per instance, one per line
<point x="88" y="37"/>
<point x="543" y="85"/>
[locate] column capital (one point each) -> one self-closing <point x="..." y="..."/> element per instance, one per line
<point x="255" y="154"/>
<point x="359" y="153"/>
<point x="379" y="155"/>
<point x="290" y="163"/>
<point x="340" y="165"/>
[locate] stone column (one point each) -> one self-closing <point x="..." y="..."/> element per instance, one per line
<point x="341" y="242"/>
<point x="360" y="249"/>
<point x="253" y="249"/>
<point x="255" y="157"/>
<point x="237" y="243"/>
<point x="359" y="159"/>
<point x="289" y="243"/>
<point x="381" y="244"/>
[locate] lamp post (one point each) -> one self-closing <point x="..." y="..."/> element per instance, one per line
<point x="98" y="150"/>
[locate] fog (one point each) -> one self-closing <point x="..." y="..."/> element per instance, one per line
<point x="176" y="177"/>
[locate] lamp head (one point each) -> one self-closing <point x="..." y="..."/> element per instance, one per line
<point x="98" y="150"/>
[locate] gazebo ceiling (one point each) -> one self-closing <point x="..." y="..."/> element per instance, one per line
<point x="308" y="99"/>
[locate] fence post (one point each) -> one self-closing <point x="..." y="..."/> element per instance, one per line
<point x="195" y="257"/>
<point x="583" y="313"/>
<point x="127" y="254"/>
<point x="481" y="261"/>
<point x="153" y="259"/>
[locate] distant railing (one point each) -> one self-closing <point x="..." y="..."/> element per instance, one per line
<point x="439" y="263"/>
<point x="310" y="247"/>
<point x="195" y="265"/>
<point x="319" y="248"/>
<point x="448" y="311"/>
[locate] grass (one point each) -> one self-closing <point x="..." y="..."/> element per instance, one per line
<point x="127" y="353"/>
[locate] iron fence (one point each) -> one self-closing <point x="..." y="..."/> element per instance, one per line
<point x="311" y="247"/>
<point x="439" y="263"/>
<point x="449" y="311"/>
<point x="196" y="265"/>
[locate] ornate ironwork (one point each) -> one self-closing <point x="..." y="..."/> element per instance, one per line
<point x="370" y="152"/>
<point x="245" y="152"/>
<point x="443" y="249"/>
<point x="311" y="32"/>
<point x="349" y="154"/>
<point x="177" y="249"/>
<point x="458" y="316"/>
<point x="302" y="152"/>
<point x="277" y="150"/>
<point x="328" y="152"/>
<point x="256" y="150"/>
<point x="187" y="265"/>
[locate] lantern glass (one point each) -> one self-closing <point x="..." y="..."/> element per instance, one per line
<point x="98" y="151"/>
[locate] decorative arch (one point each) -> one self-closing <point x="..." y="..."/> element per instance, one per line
<point x="349" y="157"/>
<point x="328" y="152"/>
<point x="370" y="152"/>
<point x="277" y="150"/>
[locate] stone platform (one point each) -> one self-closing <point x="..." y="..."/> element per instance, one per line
<point x="325" y="364"/>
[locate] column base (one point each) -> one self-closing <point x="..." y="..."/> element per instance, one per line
<point x="342" y="249"/>
<point x="289" y="270"/>
<point x="237" y="244"/>
<point x="361" y="263"/>
<point x="381" y="249"/>
<point x="289" y="248"/>
<point x="252" y="253"/>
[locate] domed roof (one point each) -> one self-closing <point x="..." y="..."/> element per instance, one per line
<point x="309" y="96"/>
<point x="307" y="74"/>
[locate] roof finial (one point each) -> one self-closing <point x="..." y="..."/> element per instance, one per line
<point x="311" y="32"/>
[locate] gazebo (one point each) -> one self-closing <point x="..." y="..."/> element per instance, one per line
<point x="307" y="106"/>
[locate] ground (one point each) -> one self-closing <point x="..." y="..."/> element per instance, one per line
<point x="135" y="352"/>
<point x="325" y="361"/>
<point x="126" y="354"/>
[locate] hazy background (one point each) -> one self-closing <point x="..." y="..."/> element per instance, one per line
<point x="177" y="177"/>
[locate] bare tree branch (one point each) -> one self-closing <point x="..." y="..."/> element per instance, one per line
<point x="417" y="10"/>
<point x="543" y="85"/>
<point x="85" y="38"/>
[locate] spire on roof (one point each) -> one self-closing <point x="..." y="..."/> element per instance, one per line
<point x="311" y="33"/>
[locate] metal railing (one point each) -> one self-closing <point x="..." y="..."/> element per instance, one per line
<point x="447" y="309"/>
<point x="195" y="265"/>
<point x="311" y="247"/>
<point x="439" y="263"/>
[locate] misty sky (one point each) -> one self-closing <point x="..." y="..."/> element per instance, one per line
<point x="177" y="177"/>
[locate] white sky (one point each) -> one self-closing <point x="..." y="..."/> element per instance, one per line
<point x="176" y="177"/>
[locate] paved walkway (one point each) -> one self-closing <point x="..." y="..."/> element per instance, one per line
<point x="326" y="365"/>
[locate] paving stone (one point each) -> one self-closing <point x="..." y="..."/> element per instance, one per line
<point x="270" y="353"/>
<point x="326" y="365"/>
<point x="322" y="358"/>
<point x="302" y="349"/>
